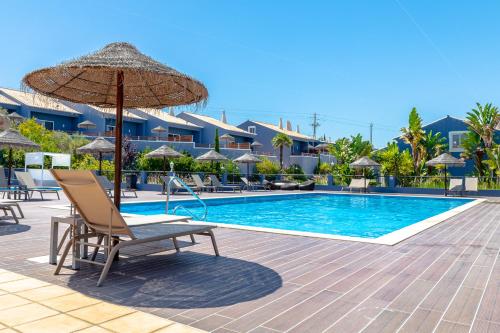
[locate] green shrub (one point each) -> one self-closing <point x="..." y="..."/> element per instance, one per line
<point x="268" y="167"/>
<point x="296" y="172"/>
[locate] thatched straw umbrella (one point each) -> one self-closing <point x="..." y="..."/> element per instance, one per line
<point x="363" y="163"/>
<point x="446" y="160"/>
<point x="322" y="147"/>
<point x="15" y="117"/>
<point x="164" y="152"/>
<point x="256" y="145"/>
<point x="227" y="138"/>
<point x="100" y="146"/>
<point x="87" y="124"/>
<point x="158" y="130"/>
<point x="247" y="159"/>
<point x="212" y="156"/>
<point x="11" y="138"/>
<point x="117" y="76"/>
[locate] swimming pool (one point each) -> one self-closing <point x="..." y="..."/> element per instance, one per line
<point x="350" y="215"/>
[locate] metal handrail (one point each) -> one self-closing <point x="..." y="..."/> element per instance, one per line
<point x="205" y="212"/>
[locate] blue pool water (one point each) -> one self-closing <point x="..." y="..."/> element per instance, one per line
<point x="367" y="216"/>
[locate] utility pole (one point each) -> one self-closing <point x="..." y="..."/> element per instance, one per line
<point x="371" y="134"/>
<point x="315" y="124"/>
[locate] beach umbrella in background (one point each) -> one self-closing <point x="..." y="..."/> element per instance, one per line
<point x="247" y="159"/>
<point x="256" y="145"/>
<point x="164" y="152"/>
<point x="12" y="139"/>
<point x="158" y="130"/>
<point x="363" y="163"/>
<point x="212" y="156"/>
<point x="99" y="146"/>
<point x="15" y="117"/>
<point x="87" y="124"/>
<point x="322" y="147"/>
<point x="445" y="160"/>
<point x="227" y="138"/>
<point x="117" y="76"/>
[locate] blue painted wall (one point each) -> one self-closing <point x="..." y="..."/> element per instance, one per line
<point x="61" y="123"/>
<point x="265" y="135"/>
<point x="207" y="134"/>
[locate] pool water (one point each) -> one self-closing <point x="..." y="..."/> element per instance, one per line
<point x="366" y="216"/>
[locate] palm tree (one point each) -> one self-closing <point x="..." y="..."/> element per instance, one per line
<point x="280" y="141"/>
<point x="471" y="144"/>
<point x="413" y="135"/>
<point x="493" y="161"/>
<point x="483" y="120"/>
<point x="360" y="147"/>
<point x="434" y="144"/>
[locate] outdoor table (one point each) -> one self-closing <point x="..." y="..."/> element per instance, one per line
<point x="76" y="227"/>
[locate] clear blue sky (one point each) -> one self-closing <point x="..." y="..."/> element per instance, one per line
<point x="352" y="62"/>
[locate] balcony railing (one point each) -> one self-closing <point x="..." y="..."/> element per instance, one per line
<point x="244" y="145"/>
<point x="170" y="137"/>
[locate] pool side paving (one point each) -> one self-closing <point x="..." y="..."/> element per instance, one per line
<point x="444" y="279"/>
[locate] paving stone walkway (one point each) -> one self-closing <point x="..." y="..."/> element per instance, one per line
<point x="30" y="305"/>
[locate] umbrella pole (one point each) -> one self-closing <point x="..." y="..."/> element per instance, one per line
<point x="248" y="170"/>
<point x="10" y="168"/>
<point x="118" y="138"/>
<point x="445" y="187"/>
<point x="100" y="163"/>
<point x="364" y="179"/>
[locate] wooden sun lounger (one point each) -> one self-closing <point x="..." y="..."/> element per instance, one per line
<point x="27" y="183"/>
<point x="105" y="222"/>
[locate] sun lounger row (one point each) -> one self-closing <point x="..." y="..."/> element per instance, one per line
<point x="461" y="186"/>
<point x="109" y="187"/>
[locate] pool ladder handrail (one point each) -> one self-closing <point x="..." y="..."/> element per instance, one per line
<point x="205" y="212"/>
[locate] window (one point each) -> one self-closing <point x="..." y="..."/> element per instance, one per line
<point x="110" y="128"/>
<point x="47" y="124"/>
<point x="252" y="129"/>
<point x="455" y="140"/>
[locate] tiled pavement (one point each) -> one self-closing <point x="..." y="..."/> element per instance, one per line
<point x="445" y="279"/>
<point x="33" y="306"/>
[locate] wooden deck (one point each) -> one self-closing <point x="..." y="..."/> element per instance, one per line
<point x="445" y="279"/>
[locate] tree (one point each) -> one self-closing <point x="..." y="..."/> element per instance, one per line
<point x="216" y="141"/>
<point x="280" y="141"/>
<point x="395" y="162"/>
<point x="472" y="146"/>
<point x="360" y="147"/>
<point x="493" y="161"/>
<point x="129" y="154"/>
<point x="434" y="144"/>
<point x="483" y="120"/>
<point x="413" y="135"/>
<point x="342" y="151"/>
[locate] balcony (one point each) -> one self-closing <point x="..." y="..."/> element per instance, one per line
<point x="169" y="138"/>
<point x="244" y="145"/>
